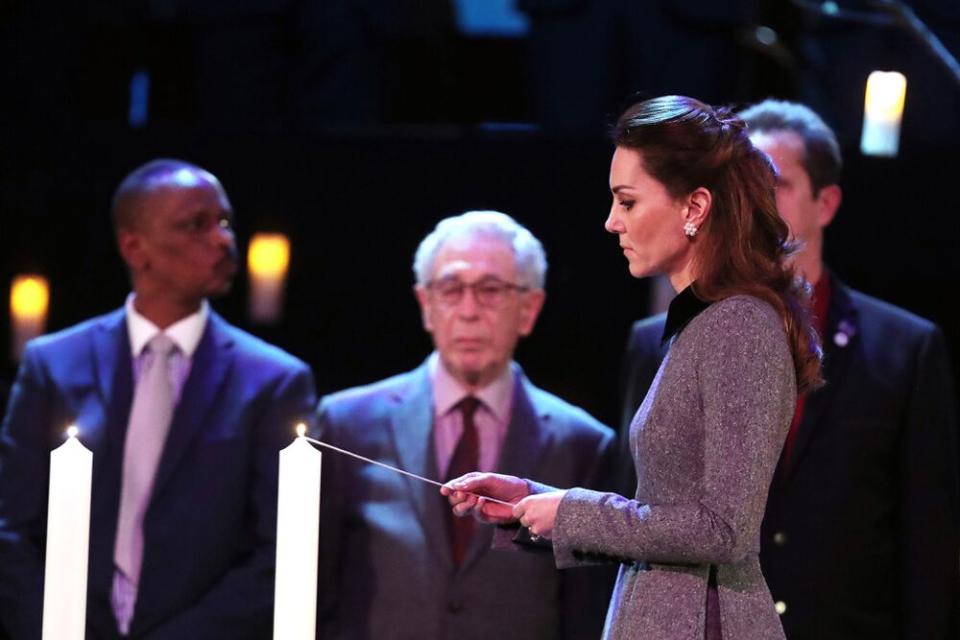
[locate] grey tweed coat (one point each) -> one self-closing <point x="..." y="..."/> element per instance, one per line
<point x="705" y="444"/>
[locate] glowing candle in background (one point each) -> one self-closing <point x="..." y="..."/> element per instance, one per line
<point x="68" y="536"/>
<point x="29" y="302"/>
<point x="882" y="113"/>
<point x="268" y="260"/>
<point x="298" y="534"/>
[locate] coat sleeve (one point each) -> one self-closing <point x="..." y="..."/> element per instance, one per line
<point x="24" y="468"/>
<point x="929" y="516"/>
<point x="746" y="383"/>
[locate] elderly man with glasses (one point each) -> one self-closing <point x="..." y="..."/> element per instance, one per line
<point x="394" y="562"/>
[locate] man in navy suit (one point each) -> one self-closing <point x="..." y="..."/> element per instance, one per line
<point x="860" y="536"/>
<point x="394" y="562"/>
<point x="183" y="513"/>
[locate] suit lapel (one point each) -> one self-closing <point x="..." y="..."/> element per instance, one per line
<point x="211" y="364"/>
<point x="411" y="426"/>
<point x="526" y="436"/>
<point x="114" y="373"/>
<point x="526" y="441"/>
<point x="839" y="344"/>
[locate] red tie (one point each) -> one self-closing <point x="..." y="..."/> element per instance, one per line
<point x="466" y="458"/>
<point x="820" y="308"/>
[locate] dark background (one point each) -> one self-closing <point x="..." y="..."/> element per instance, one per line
<point x="355" y="126"/>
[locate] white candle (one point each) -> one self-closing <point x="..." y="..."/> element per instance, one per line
<point x="29" y="301"/>
<point x="882" y="112"/>
<point x="68" y="534"/>
<point x="298" y="536"/>
<point x="268" y="260"/>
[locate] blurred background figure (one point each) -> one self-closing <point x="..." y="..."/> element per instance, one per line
<point x="185" y="416"/>
<point x="394" y="561"/>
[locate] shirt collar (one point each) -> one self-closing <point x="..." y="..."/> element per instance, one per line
<point x="684" y="307"/>
<point x="185" y="333"/>
<point x="447" y="391"/>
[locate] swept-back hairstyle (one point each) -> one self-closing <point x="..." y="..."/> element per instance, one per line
<point x="743" y="244"/>
<point x="821" y="151"/>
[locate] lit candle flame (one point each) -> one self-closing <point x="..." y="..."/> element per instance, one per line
<point x="269" y="255"/>
<point x="886" y="92"/>
<point x="882" y="113"/>
<point x="29" y="297"/>
<point x="267" y="263"/>
<point x="301" y="430"/>
<point x="72" y="431"/>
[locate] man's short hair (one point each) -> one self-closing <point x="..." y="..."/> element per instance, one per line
<point x="528" y="255"/>
<point x="822" y="159"/>
<point x="129" y="196"/>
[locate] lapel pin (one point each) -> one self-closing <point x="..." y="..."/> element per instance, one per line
<point x="845" y="331"/>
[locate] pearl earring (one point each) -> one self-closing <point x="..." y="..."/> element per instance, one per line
<point x="690" y="229"/>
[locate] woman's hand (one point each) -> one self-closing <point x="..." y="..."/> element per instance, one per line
<point x="467" y="496"/>
<point x="538" y="513"/>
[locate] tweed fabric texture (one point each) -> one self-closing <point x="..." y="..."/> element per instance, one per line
<point x="705" y="444"/>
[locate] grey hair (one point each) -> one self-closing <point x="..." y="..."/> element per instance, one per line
<point x="528" y="254"/>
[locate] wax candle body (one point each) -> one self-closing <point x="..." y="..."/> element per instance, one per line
<point x="68" y="534"/>
<point x="298" y="534"/>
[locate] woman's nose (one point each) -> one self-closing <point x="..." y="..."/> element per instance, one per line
<point x="613" y="224"/>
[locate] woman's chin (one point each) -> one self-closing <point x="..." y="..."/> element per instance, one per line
<point x="638" y="271"/>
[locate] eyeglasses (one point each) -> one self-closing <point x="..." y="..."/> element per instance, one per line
<point x="489" y="292"/>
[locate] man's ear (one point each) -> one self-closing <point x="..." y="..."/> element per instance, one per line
<point x="130" y="245"/>
<point x="530" y="308"/>
<point x="828" y="201"/>
<point x="698" y="204"/>
<point x="420" y="292"/>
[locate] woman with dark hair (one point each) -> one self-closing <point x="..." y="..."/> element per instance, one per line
<point x="694" y="200"/>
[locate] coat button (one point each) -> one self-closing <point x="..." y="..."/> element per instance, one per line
<point x="780" y="606"/>
<point x="454" y="606"/>
<point x="780" y="538"/>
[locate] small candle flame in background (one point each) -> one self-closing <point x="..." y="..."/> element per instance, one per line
<point x="268" y="260"/>
<point x="72" y="431"/>
<point x="882" y="113"/>
<point x="301" y="430"/>
<point x="29" y="302"/>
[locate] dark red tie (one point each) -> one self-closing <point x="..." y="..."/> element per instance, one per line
<point x="466" y="458"/>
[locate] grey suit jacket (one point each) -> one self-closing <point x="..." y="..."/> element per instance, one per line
<point x="861" y="530"/>
<point x="705" y="444"/>
<point x="386" y="565"/>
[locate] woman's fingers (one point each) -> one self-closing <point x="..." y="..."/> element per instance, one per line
<point x="465" y="504"/>
<point x="485" y="484"/>
<point x="538" y="513"/>
<point x="482" y="495"/>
